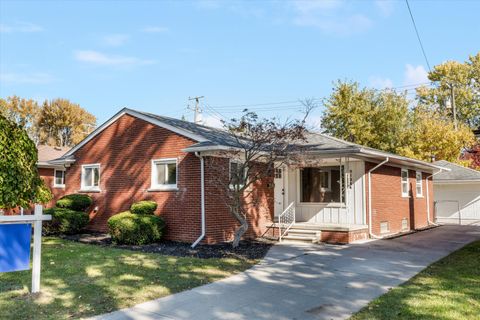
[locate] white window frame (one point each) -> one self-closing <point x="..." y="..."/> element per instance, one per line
<point x="402" y="182"/>
<point x="230" y="171"/>
<point x="55" y="185"/>
<point x="419" y="183"/>
<point x="83" y="187"/>
<point x="154" y="185"/>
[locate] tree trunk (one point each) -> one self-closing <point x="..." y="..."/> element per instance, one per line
<point x="240" y="232"/>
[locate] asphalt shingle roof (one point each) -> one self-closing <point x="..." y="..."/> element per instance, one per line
<point x="457" y="173"/>
<point x="47" y="153"/>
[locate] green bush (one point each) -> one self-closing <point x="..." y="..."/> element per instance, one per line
<point x="136" y="229"/>
<point x="143" y="207"/>
<point x="65" y="221"/>
<point x="77" y="202"/>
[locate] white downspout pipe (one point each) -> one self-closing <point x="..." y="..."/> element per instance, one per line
<point x="202" y="199"/>
<point x="428" y="198"/>
<point x="370" y="197"/>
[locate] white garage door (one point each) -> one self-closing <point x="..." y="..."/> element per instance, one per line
<point x="457" y="203"/>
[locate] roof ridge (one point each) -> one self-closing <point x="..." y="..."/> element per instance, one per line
<point x="176" y="119"/>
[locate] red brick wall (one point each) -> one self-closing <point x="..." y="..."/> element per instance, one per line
<point x="388" y="203"/>
<point x="47" y="175"/>
<point x="220" y="223"/>
<point x="124" y="151"/>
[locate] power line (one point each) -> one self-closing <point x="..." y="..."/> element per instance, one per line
<point x="418" y="35"/>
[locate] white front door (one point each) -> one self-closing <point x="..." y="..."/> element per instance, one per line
<point x="279" y="191"/>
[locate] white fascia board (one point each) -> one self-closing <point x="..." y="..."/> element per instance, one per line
<point x="210" y="148"/>
<point x="414" y="162"/>
<point x="137" y="115"/>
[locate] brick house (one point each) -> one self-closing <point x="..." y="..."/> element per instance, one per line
<point x="350" y="193"/>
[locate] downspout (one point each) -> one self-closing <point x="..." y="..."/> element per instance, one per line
<point x="428" y="198"/>
<point x="202" y="199"/>
<point x="370" y="197"/>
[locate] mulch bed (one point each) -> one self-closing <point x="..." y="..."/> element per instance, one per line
<point x="247" y="249"/>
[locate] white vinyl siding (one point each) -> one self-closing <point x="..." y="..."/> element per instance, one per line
<point x="404" y="181"/>
<point x="418" y="184"/>
<point x="90" y="177"/>
<point x="59" y="178"/>
<point x="164" y="174"/>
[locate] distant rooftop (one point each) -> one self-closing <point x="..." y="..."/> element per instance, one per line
<point x="47" y="153"/>
<point x="457" y="173"/>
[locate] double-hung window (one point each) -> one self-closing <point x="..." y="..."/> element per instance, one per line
<point x="59" y="178"/>
<point x="164" y="174"/>
<point x="90" y="177"/>
<point x="405" y="186"/>
<point x="418" y="183"/>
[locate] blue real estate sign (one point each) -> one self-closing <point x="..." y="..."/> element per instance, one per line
<point x="15" y="247"/>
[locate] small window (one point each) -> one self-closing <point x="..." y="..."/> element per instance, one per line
<point x="278" y="173"/>
<point x="59" y="181"/>
<point x="90" y="177"/>
<point x="405" y="186"/>
<point x="384" y="227"/>
<point x="418" y="184"/>
<point x="404" y="224"/>
<point x="164" y="174"/>
<point x="237" y="174"/>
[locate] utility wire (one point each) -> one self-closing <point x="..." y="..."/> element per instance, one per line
<point x="418" y="35"/>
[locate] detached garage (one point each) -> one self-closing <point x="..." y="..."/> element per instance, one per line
<point x="457" y="194"/>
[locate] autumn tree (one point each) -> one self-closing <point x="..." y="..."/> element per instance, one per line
<point x="258" y="147"/>
<point x="20" y="184"/>
<point x="461" y="78"/>
<point x="63" y="123"/>
<point x="382" y="119"/>
<point x="23" y="112"/>
<point x="430" y="136"/>
<point x="366" y="116"/>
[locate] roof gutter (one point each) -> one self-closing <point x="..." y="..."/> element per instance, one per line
<point x="202" y="199"/>
<point x="370" y="197"/>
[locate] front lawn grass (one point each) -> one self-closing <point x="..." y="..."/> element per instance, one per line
<point x="447" y="289"/>
<point x="81" y="280"/>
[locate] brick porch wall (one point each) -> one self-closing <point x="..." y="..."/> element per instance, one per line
<point x="389" y="205"/>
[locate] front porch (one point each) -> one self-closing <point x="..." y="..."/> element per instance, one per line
<point x="321" y="200"/>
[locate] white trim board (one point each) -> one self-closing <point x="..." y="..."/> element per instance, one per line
<point x="138" y="115"/>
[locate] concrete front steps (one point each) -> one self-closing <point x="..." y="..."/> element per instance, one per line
<point x="302" y="233"/>
<point x="329" y="233"/>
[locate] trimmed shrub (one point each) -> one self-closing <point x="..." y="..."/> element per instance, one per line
<point x="77" y="202"/>
<point x="135" y="229"/>
<point x="65" y="221"/>
<point x="143" y="207"/>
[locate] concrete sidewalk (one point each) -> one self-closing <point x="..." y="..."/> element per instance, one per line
<point x="309" y="281"/>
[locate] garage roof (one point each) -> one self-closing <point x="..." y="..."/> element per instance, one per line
<point x="457" y="173"/>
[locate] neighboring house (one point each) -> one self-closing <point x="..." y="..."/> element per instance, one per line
<point x="457" y="194"/>
<point x="137" y="155"/>
<point x="52" y="175"/>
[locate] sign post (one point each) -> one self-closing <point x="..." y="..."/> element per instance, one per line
<point x="15" y="243"/>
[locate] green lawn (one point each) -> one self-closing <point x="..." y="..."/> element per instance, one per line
<point x="82" y="280"/>
<point x="447" y="289"/>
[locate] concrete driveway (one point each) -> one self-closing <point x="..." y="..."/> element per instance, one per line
<point x="310" y="281"/>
